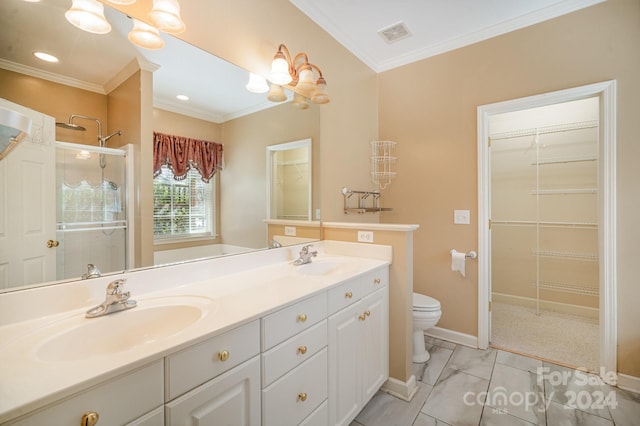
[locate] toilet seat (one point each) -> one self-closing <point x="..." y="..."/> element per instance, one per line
<point x="422" y="303"/>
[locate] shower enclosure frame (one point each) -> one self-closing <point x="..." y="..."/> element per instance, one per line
<point x="606" y="92"/>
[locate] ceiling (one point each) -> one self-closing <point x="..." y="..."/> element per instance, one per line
<point x="435" y="26"/>
<point x="215" y="87"/>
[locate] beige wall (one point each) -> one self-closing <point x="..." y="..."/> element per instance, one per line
<point x="243" y="183"/>
<point x="429" y="108"/>
<point x="58" y="101"/>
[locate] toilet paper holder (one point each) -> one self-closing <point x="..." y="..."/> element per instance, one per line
<point x="471" y="255"/>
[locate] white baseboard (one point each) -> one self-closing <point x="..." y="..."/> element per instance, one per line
<point x="403" y="390"/>
<point x="563" y="308"/>
<point x="453" y="336"/>
<point x="630" y="383"/>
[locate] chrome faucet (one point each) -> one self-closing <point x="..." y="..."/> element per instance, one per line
<point x="92" y="272"/>
<point x="115" y="301"/>
<point x="274" y="244"/>
<point x="305" y="255"/>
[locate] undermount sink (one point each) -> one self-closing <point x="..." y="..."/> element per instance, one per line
<point x="152" y="320"/>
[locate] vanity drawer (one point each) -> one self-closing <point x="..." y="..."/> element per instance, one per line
<point x="320" y="417"/>
<point x="296" y="395"/>
<point x="374" y="280"/>
<point x="197" y="364"/>
<point x="291" y="353"/>
<point x="345" y="294"/>
<point x="117" y="402"/>
<point x="287" y="322"/>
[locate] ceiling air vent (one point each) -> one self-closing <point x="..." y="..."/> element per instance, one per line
<point x="394" y="33"/>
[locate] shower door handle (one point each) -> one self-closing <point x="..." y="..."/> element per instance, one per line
<point x="52" y="243"/>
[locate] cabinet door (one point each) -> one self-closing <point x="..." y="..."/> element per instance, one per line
<point x="344" y="362"/>
<point x="230" y="399"/>
<point x="375" y="343"/>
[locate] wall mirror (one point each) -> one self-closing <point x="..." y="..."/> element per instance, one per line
<point x="289" y="180"/>
<point x="248" y="121"/>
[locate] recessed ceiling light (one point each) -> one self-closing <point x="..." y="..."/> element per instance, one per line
<point x="45" y="57"/>
<point x="183" y="97"/>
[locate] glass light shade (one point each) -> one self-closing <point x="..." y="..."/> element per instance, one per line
<point x="88" y="15"/>
<point x="300" y="101"/>
<point x="321" y="94"/>
<point x="165" y="15"/>
<point x="122" y="2"/>
<point x="257" y="84"/>
<point x="280" y="70"/>
<point x="145" y="36"/>
<point x="276" y="94"/>
<point x="306" y="84"/>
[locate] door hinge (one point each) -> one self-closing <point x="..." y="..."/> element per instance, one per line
<point x="489" y="305"/>
<point x="489" y="223"/>
<point x="489" y="142"/>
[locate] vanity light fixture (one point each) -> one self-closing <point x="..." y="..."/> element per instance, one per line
<point x="165" y="15"/>
<point x="145" y="36"/>
<point x="257" y="84"/>
<point x="88" y="15"/>
<point x="299" y="75"/>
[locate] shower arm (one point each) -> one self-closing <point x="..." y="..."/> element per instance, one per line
<point x="89" y="118"/>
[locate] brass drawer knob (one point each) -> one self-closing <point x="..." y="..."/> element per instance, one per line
<point x="302" y="396"/>
<point x="52" y="243"/>
<point x="223" y="355"/>
<point x="89" y="418"/>
<point x="302" y="317"/>
<point x="364" y="316"/>
<point x="376" y="281"/>
<point x="302" y="350"/>
<point x="348" y="295"/>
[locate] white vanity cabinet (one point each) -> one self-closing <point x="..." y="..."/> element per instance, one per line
<point x="358" y="345"/>
<point x="216" y="382"/>
<point x="294" y="364"/>
<point x="124" y="400"/>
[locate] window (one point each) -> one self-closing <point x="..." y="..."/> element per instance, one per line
<point x="182" y="208"/>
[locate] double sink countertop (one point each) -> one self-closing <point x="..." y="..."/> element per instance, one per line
<point x="49" y="350"/>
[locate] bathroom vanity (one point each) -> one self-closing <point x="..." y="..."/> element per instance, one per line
<point x="249" y="339"/>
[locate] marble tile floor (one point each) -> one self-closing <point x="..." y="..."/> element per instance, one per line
<point x="462" y="386"/>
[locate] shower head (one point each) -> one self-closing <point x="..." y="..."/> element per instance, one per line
<point x="70" y="126"/>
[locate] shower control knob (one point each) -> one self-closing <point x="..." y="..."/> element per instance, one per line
<point x="52" y="243"/>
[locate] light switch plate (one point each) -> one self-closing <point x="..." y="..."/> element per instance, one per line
<point x="290" y="231"/>
<point x="365" y="236"/>
<point x="461" y="217"/>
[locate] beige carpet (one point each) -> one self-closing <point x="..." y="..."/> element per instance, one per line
<point x="565" y="339"/>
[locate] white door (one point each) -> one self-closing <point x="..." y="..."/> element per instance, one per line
<point x="375" y="349"/>
<point x="27" y="205"/>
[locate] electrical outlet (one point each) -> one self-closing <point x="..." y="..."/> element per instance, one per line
<point x="290" y="231"/>
<point x="461" y="217"/>
<point x="365" y="236"/>
<point x="317" y="214"/>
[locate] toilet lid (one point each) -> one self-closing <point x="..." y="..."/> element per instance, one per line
<point x="424" y="303"/>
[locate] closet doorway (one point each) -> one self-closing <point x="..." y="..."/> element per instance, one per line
<point x="547" y="174"/>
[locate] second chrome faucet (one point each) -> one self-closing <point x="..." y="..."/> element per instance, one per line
<point x="305" y="255"/>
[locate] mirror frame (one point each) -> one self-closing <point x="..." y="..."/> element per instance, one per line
<point x="273" y="149"/>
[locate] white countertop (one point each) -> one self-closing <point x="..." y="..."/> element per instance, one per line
<point x="234" y="295"/>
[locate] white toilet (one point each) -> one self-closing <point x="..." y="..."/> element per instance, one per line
<point x="426" y="314"/>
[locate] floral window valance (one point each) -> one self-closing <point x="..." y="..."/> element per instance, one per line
<point x="181" y="154"/>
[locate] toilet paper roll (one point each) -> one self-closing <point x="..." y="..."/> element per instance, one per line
<point x="458" y="261"/>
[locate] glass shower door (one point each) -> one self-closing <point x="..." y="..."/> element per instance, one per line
<point x="90" y="209"/>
